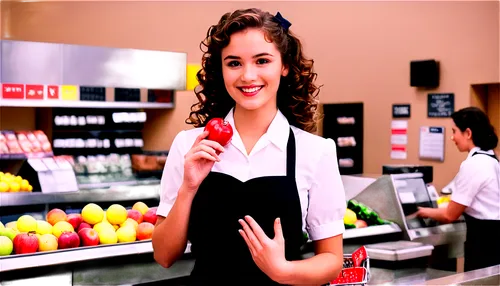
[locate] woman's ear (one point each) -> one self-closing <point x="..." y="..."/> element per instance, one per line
<point x="468" y="133"/>
<point x="284" y="71"/>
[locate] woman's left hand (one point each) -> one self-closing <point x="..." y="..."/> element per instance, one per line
<point x="268" y="254"/>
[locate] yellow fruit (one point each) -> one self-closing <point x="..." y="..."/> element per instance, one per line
<point x="24" y="185"/>
<point x="26" y="223"/>
<point x="43" y="227"/>
<point x="18" y="179"/>
<point x="107" y="236"/>
<point x="12" y="224"/>
<point x="115" y="226"/>
<point x="141" y="207"/>
<point x="130" y="222"/>
<point x="60" y="227"/>
<point x="47" y="242"/>
<point x="126" y="234"/>
<point x="92" y="214"/>
<point x="100" y="227"/>
<point x="350" y="217"/>
<point x="4" y="187"/>
<point x="116" y="214"/>
<point x="30" y="188"/>
<point x="14" y="187"/>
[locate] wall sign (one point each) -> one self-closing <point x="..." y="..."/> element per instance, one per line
<point x="440" y="104"/>
<point x="401" y="111"/>
<point x="13" y="91"/>
<point x="431" y="145"/>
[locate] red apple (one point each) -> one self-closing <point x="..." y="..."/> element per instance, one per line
<point x="55" y="215"/>
<point x="144" y="231"/>
<point x="75" y="220"/>
<point x="360" y="223"/>
<point x="88" y="237"/>
<point x="25" y="243"/>
<point x="82" y="226"/>
<point x="135" y="215"/>
<point x="68" y="239"/>
<point x="150" y="216"/>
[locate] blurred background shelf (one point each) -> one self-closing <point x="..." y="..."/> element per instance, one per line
<point x="82" y="104"/>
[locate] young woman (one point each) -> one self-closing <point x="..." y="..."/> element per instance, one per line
<point x="477" y="189"/>
<point x="244" y="206"/>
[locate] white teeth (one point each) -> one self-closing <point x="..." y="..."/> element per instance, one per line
<point x="253" y="89"/>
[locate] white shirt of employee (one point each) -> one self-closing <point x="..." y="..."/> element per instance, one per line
<point x="318" y="180"/>
<point x="477" y="185"/>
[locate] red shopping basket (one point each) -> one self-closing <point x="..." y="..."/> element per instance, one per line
<point x="355" y="270"/>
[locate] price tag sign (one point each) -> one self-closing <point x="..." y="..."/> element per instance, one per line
<point x="34" y="91"/>
<point x="69" y="92"/>
<point x="52" y="92"/>
<point x="13" y="91"/>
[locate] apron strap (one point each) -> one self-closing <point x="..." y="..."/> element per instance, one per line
<point x="290" y="156"/>
<point x="489" y="155"/>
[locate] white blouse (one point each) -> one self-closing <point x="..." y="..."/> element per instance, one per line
<point x="477" y="185"/>
<point x="320" y="187"/>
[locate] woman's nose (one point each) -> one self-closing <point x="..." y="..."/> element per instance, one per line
<point x="249" y="74"/>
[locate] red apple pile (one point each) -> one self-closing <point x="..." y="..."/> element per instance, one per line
<point x="61" y="230"/>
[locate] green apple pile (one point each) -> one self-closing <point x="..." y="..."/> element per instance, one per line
<point x="91" y="227"/>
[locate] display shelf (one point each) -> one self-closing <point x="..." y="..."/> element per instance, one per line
<point x="81" y="104"/>
<point x="371" y="230"/>
<point x="120" y="193"/>
<point x="63" y="256"/>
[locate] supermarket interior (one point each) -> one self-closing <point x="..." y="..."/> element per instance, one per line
<point x="93" y="94"/>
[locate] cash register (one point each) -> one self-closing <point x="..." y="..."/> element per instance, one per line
<point x="396" y="196"/>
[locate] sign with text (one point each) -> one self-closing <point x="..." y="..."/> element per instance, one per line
<point x="53" y="92"/>
<point x="13" y="91"/>
<point x="440" y="104"/>
<point x="34" y="91"/>
<point x="431" y="143"/>
<point x="401" y="111"/>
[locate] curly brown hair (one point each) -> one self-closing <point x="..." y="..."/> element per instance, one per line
<point x="297" y="93"/>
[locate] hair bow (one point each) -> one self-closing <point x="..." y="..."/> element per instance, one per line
<point x="282" y="21"/>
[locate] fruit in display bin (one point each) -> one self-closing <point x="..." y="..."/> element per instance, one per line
<point x="135" y="215"/>
<point x="43" y="227"/>
<point x="47" y="242"/>
<point x="82" y="226"/>
<point x="141" y="207"/>
<point x="92" y="227"/>
<point x="26" y="223"/>
<point x="75" y="220"/>
<point x="6" y="246"/>
<point x="92" y="213"/>
<point x="68" y="239"/>
<point x="25" y="243"/>
<point x="55" y="215"/>
<point x="61" y="227"/>
<point x="13" y="184"/>
<point x="88" y="237"/>
<point x="116" y="214"/>
<point x="150" y="216"/>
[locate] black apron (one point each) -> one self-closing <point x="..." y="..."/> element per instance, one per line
<point x="221" y="254"/>
<point x="482" y="245"/>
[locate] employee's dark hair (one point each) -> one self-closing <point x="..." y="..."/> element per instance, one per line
<point x="296" y="93"/>
<point x="483" y="133"/>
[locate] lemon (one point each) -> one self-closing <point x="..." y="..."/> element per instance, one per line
<point x="108" y="236"/>
<point x="116" y="214"/>
<point x="350" y="217"/>
<point x="126" y="234"/>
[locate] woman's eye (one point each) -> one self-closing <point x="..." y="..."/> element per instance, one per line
<point x="233" y="64"/>
<point x="262" y="61"/>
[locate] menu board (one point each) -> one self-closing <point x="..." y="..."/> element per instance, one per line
<point x="440" y="104"/>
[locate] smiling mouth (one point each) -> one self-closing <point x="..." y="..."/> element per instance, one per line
<point x="251" y="89"/>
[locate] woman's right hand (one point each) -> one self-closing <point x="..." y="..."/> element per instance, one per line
<point x="199" y="160"/>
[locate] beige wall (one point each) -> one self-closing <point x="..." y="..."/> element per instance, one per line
<point x="361" y="50"/>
